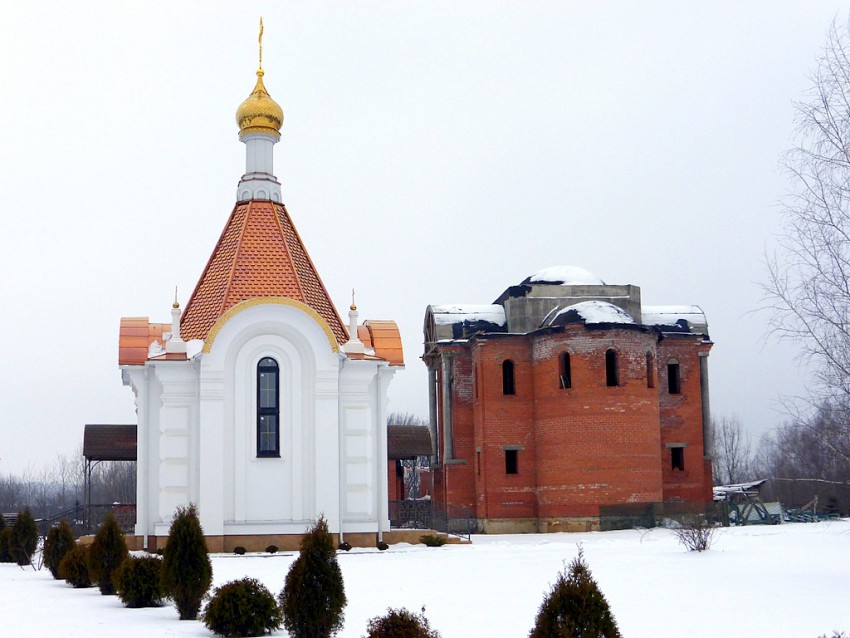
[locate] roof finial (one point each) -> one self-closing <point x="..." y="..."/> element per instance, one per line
<point x="175" y="344"/>
<point x="260" y="39"/>
<point x="353" y="345"/>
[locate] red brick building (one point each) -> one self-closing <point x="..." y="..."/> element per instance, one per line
<point x="566" y="401"/>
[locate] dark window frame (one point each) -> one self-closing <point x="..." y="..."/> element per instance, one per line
<point x="677" y="458"/>
<point x="508" y="378"/>
<point x="674" y="378"/>
<point x="264" y="410"/>
<point x="565" y="372"/>
<point x="511" y="461"/>
<point x="612" y="368"/>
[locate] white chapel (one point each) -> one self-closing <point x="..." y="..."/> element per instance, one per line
<point x="257" y="403"/>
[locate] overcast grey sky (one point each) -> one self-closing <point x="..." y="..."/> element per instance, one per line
<point x="431" y="153"/>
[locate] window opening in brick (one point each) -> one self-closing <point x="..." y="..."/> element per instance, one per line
<point x="674" y="381"/>
<point x="650" y="371"/>
<point x="511" y="462"/>
<point x="565" y="372"/>
<point x="478" y="462"/>
<point x="612" y="374"/>
<point x="677" y="458"/>
<point x="268" y="408"/>
<point x="508" y="386"/>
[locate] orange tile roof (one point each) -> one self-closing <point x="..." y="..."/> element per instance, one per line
<point x="134" y="336"/>
<point x="386" y="340"/>
<point x="258" y="254"/>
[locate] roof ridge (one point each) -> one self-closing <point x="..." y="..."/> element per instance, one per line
<point x="286" y="246"/>
<point x="321" y="283"/>
<point x="235" y="261"/>
<point x="188" y="312"/>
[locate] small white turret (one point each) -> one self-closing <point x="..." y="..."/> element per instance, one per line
<point x="175" y="345"/>
<point x="353" y="345"/>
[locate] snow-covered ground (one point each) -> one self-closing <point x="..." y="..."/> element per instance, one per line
<point x="790" y="580"/>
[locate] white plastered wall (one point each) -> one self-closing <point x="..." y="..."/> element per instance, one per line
<point x="363" y="445"/>
<point x="167" y="469"/>
<point x="197" y="432"/>
<point x="244" y="494"/>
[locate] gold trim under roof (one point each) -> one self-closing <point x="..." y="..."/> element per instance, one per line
<point x="280" y="301"/>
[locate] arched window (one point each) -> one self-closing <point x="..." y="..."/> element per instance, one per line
<point x="508" y="386"/>
<point x="612" y="374"/>
<point x="674" y="381"/>
<point x="268" y="408"/>
<point x="650" y="371"/>
<point x="564" y="372"/>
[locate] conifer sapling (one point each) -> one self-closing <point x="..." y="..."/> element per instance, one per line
<point x="186" y="567"/>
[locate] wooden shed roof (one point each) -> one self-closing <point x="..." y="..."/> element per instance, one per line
<point x="408" y="441"/>
<point x="109" y="442"/>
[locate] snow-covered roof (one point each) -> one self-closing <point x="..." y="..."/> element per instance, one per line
<point x="676" y="318"/>
<point x="461" y="321"/>
<point x="564" y="276"/>
<point x="445" y="314"/>
<point x="738" y="488"/>
<point x="588" y="312"/>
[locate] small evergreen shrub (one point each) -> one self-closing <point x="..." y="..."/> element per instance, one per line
<point x="186" y="568"/>
<point x="400" y="623"/>
<point x="575" y="607"/>
<point x="137" y="582"/>
<point x="242" y="608"/>
<point x="5" y="544"/>
<point x="239" y="550"/>
<point x="74" y="567"/>
<point x="107" y="552"/>
<point x="381" y="545"/>
<point x="59" y="541"/>
<point x="344" y="546"/>
<point x="433" y="540"/>
<point x="24" y="538"/>
<point x="313" y="596"/>
<point x="272" y="549"/>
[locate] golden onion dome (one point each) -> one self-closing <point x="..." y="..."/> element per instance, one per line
<point x="259" y="113"/>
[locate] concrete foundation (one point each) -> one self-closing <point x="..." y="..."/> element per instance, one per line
<point x="284" y="542"/>
<point x="539" y="525"/>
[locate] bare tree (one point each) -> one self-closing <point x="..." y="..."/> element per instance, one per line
<point x="808" y="283"/>
<point x="808" y="460"/>
<point x="405" y="418"/>
<point x="732" y="452"/>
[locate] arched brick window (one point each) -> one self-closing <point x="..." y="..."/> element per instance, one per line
<point x="650" y="370"/>
<point x="565" y="375"/>
<point x="612" y="372"/>
<point x="508" y="384"/>
<point x="268" y="408"/>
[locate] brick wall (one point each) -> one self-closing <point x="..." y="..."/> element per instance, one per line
<point x="575" y="448"/>
<point x="681" y="421"/>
